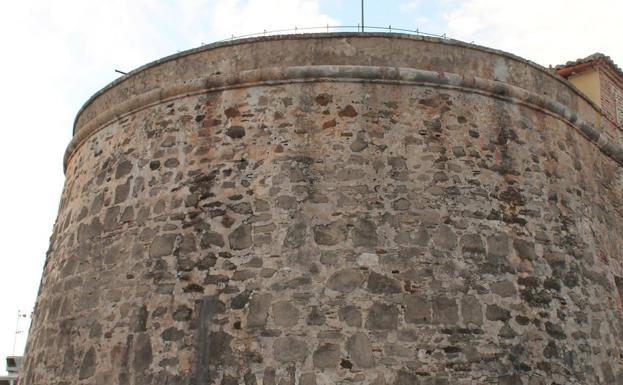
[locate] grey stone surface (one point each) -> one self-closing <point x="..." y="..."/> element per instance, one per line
<point x="295" y="235"/>
<point x="382" y="317"/>
<point x="472" y="243"/>
<point x="345" y="280"/>
<point x="285" y="313"/>
<point x="330" y="234"/>
<point x="240" y="238"/>
<point x="503" y="288"/>
<point x="162" y="246"/>
<point x="417" y="309"/>
<point x="497" y="313"/>
<point x="445" y="238"/>
<point x="360" y="350"/>
<point x="258" y="309"/>
<point x="498" y="245"/>
<point x="351" y="316"/>
<point x="364" y="233"/>
<point x="445" y="310"/>
<point x="87" y="368"/>
<point x="308" y="379"/>
<point x="524" y="249"/>
<point x="359" y="143"/>
<point x="381" y="284"/>
<point x="326" y="356"/>
<point x="471" y="310"/>
<point x="290" y="349"/>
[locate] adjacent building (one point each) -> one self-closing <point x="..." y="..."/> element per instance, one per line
<point x="601" y="80"/>
<point x="13" y="364"/>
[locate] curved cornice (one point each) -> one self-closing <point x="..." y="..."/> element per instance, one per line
<point x="228" y="44"/>
<point x="347" y="73"/>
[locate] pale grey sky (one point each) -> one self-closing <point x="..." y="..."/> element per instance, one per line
<point x="55" y="54"/>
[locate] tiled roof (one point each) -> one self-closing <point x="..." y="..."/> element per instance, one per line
<point x="594" y="57"/>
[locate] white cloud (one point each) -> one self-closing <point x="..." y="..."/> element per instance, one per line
<point x="547" y="32"/>
<point x="411" y="5"/>
<point x="56" y="54"/>
<point x="235" y="17"/>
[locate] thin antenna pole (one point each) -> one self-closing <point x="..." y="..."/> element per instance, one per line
<point x="361" y="15"/>
<point x="16" y="331"/>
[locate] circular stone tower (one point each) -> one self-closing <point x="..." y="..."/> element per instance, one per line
<point x="335" y="209"/>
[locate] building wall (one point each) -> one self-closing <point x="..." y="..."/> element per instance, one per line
<point x="589" y="83"/>
<point x="611" y="98"/>
<point x="335" y="219"/>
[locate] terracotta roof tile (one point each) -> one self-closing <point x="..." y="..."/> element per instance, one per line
<point x="590" y="58"/>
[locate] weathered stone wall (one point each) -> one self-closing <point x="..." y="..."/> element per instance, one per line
<point x="335" y="219"/>
<point x="611" y="92"/>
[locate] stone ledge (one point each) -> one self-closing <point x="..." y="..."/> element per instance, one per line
<point x="347" y="73"/>
<point x="331" y="48"/>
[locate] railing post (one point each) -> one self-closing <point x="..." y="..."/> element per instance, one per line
<point x="362" y="22"/>
<point x="360" y="28"/>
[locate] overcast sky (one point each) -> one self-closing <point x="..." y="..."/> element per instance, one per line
<point x="55" y="54"/>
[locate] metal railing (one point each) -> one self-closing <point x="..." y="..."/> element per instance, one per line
<point x="335" y="28"/>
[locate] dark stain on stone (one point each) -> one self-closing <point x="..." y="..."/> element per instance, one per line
<point x="329" y="124"/>
<point x="171" y="163"/>
<point x="239" y="301"/>
<point x="364" y="233"/>
<point x="474" y="134"/>
<point x="555" y="330"/>
<point x="139" y="319"/>
<point x="406" y="378"/>
<point x="250" y="379"/>
<point x="295" y="235"/>
<point x="429" y="102"/>
<point x="532" y="293"/>
<point x="346" y="364"/>
<point x="241" y="238"/>
<point x="172" y="334"/>
<point x="235" y="132"/>
<point x="212" y="347"/>
<point x="381" y="284"/>
<point x="512" y="196"/>
<point x="316" y="317"/>
<point x="123" y="169"/>
<point x="182" y="313"/>
<point x="324" y="99"/>
<point x="87" y="368"/>
<point x="193" y="288"/>
<point x="348" y="111"/>
<point x="143" y="355"/>
<point x="232" y="112"/>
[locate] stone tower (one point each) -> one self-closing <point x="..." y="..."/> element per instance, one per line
<point x="336" y="209"/>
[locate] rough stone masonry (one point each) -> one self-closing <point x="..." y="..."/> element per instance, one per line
<point x="336" y="209"/>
